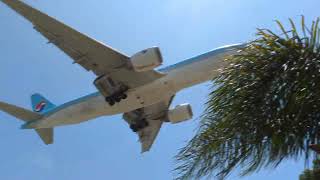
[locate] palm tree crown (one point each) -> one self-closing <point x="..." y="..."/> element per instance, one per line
<point x="265" y="106"/>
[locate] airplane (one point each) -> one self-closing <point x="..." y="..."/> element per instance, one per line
<point x="132" y="85"/>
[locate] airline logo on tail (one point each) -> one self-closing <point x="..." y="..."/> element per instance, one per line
<point x="40" y="106"/>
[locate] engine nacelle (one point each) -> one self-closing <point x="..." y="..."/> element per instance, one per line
<point x="146" y="60"/>
<point x="180" y="113"/>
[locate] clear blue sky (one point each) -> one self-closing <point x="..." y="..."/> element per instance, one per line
<point x="105" y="148"/>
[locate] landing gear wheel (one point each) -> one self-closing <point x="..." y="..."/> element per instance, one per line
<point x="134" y="127"/>
<point x="111" y="102"/>
<point x="117" y="99"/>
<point x="140" y="125"/>
<point x="124" y="96"/>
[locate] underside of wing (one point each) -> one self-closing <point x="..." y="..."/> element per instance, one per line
<point x="82" y="49"/>
<point x="90" y="54"/>
<point x="149" y="134"/>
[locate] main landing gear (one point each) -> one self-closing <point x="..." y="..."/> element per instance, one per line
<point x="113" y="91"/>
<point x="116" y="98"/>
<point x="139" y="125"/>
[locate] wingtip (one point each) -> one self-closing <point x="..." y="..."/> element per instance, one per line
<point x="48" y="143"/>
<point x="145" y="149"/>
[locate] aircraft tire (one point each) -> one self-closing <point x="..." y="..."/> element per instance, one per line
<point x="117" y="99"/>
<point x="124" y="96"/>
<point x="111" y="102"/>
<point x="134" y="128"/>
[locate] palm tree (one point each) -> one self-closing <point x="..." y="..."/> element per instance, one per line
<point x="264" y="107"/>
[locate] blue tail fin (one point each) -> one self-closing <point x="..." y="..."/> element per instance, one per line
<point x="40" y="104"/>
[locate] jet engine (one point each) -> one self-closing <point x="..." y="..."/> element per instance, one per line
<point x="146" y="60"/>
<point x="180" y="113"/>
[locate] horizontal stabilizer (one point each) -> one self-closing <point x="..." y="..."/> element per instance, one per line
<point x="18" y="112"/>
<point x="46" y="134"/>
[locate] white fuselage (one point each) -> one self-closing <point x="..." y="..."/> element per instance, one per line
<point x="179" y="76"/>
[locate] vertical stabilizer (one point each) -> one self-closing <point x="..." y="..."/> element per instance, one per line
<point x="40" y="104"/>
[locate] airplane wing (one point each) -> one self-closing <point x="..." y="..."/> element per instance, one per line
<point x="155" y="115"/>
<point x="90" y="54"/>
